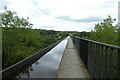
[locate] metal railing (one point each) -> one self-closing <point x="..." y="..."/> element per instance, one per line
<point x="101" y="60"/>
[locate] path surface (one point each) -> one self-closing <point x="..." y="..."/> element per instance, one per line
<point x="71" y="65"/>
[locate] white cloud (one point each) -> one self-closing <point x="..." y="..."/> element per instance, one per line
<point x="45" y="13"/>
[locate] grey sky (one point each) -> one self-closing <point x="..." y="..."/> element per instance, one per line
<point x="84" y="20"/>
<point x="63" y="15"/>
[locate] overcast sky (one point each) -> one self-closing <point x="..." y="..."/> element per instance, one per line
<point x="63" y="15"/>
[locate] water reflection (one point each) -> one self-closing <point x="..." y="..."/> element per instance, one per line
<point x="47" y="66"/>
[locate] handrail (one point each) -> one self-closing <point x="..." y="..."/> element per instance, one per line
<point x="15" y="69"/>
<point x="102" y="60"/>
<point x="104" y="44"/>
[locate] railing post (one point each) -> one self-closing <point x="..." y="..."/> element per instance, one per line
<point x="78" y="45"/>
<point x="95" y="57"/>
<point x="92" y="59"/>
<point x="98" y="62"/>
<point x="73" y="39"/>
<point x="84" y="51"/>
<point x="118" y="63"/>
<point x="106" y="62"/>
<point x="111" y="62"/>
<point x="89" y="58"/>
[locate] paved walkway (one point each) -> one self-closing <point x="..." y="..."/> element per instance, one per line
<point x="71" y="65"/>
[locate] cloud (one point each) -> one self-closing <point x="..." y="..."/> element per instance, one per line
<point x="89" y="19"/>
<point x="46" y="11"/>
<point x="84" y="20"/>
<point x="72" y="15"/>
<point x="67" y="18"/>
<point x="110" y="3"/>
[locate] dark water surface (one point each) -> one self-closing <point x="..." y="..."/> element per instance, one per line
<point x="47" y="66"/>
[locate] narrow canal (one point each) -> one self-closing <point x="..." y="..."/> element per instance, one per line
<point x="47" y="66"/>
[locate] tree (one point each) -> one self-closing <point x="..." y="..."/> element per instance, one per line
<point x="10" y="19"/>
<point x="16" y="37"/>
<point x="105" y="32"/>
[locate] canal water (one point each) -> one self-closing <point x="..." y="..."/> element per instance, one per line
<point x="47" y="66"/>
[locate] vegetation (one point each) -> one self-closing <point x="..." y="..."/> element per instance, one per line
<point x="82" y="34"/>
<point x="19" y="40"/>
<point x="105" y="32"/>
